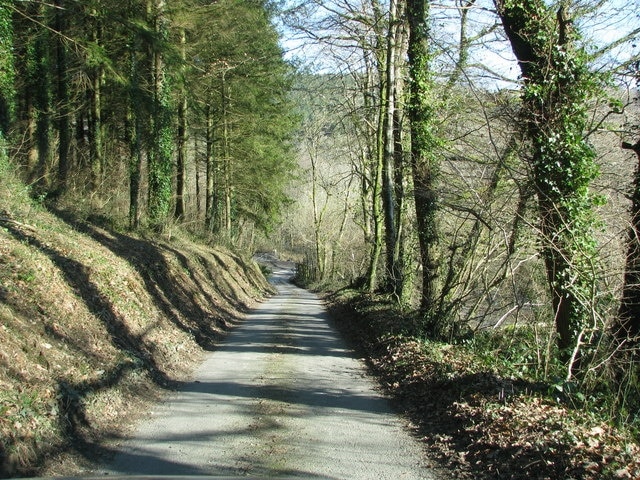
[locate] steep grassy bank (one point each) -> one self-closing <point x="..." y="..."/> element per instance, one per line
<point x="95" y="323"/>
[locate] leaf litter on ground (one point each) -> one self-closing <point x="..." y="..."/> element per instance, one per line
<point x="476" y="422"/>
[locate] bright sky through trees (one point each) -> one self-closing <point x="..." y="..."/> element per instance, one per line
<point x="610" y="27"/>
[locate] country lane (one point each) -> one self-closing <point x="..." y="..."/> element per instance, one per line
<point x="282" y="396"/>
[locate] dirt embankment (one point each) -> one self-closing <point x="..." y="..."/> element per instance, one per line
<point x="90" y="318"/>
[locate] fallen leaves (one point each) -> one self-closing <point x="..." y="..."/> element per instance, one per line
<point x="478" y="423"/>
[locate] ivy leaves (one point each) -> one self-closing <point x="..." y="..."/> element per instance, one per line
<point x="6" y="65"/>
<point x="557" y="88"/>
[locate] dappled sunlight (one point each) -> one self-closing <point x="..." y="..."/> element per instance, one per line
<point x="281" y="395"/>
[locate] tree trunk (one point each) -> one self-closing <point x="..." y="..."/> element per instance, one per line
<point x="134" y="129"/>
<point x="318" y="215"/>
<point x="35" y="97"/>
<point x="389" y="200"/>
<point x="62" y="96"/>
<point x="160" y="161"/>
<point x="377" y="157"/>
<point x="210" y="204"/>
<point x="95" y="123"/>
<point x="336" y="244"/>
<point x="627" y="328"/>
<point x="7" y="89"/>
<point x="404" y="284"/>
<point x="181" y="138"/>
<point x="398" y="166"/>
<point x="376" y="214"/>
<point x="135" y="169"/>
<point x="424" y="163"/>
<point x="364" y="164"/>
<point x="557" y="86"/>
<point x="196" y="163"/>
<point x="225" y="173"/>
<point x="43" y="96"/>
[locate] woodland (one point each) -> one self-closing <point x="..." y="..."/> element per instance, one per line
<point x="473" y="165"/>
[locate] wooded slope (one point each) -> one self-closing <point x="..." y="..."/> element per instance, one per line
<point x="90" y="318"/>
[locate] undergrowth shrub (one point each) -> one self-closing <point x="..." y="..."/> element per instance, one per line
<point x="529" y="352"/>
<point x="15" y="194"/>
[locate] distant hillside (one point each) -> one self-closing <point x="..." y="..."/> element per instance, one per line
<point x="93" y="322"/>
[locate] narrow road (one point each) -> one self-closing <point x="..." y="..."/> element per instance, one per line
<point x="281" y="397"/>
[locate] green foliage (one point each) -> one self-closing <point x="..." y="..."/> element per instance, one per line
<point x="558" y="85"/>
<point x="23" y="406"/>
<point x="246" y="84"/>
<point x="524" y="352"/>
<point x="7" y="70"/>
<point x="518" y="350"/>
<point x="123" y="94"/>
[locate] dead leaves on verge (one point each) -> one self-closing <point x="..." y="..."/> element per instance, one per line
<point x="480" y="424"/>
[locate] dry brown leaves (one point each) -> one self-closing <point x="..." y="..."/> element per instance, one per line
<point x="478" y="423"/>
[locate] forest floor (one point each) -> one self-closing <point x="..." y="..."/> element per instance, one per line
<point x="477" y="422"/>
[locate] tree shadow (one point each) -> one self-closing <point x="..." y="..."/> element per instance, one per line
<point x="71" y="396"/>
<point x="187" y="302"/>
<point x="76" y="275"/>
<point x="207" y="321"/>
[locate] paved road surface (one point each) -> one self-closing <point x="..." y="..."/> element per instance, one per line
<point x="281" y="397"/>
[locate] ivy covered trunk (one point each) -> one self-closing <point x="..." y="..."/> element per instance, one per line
<point x="6" y="67"/>
<point x="425" y="165"/>
<point x="161" y="151"/>
<point x="557" y="87"/>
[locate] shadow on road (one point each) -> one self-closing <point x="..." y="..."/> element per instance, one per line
<point x="282" y="395"/>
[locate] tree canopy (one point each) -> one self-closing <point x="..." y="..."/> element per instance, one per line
<point x="182" y="101"/>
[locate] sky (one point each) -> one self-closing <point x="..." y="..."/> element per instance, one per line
<point x="600" y="27"/>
